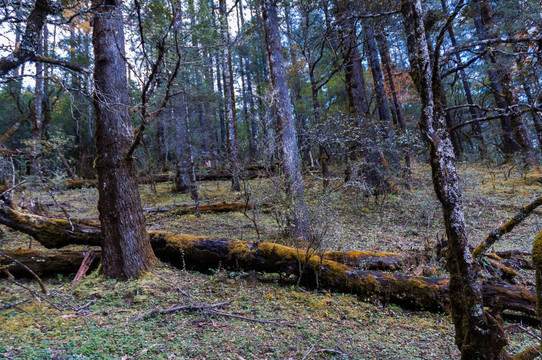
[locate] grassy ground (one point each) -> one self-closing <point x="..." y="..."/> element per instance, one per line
<point x="96" y="319"/>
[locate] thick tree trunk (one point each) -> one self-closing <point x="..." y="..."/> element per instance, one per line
<point x="478" y="335"/>
<point x="126" y="249"/>
<point x="286" y="131"/>
<point x="515" y="137"/>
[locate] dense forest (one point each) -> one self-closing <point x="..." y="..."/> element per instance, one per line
<point x="377" y="149"/>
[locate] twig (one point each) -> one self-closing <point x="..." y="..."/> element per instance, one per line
<point x="15" y="304"/>
<point x="180" y="308"/>
<point x="263" y="321"/>
<point x="42" y="285"/>
<point x="12" y="188"/>
<point x="307" y="353"/>
<point x="32" y="292"/>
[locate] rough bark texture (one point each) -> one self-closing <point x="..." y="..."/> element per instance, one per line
<point x="30" y="39"/>
<point x="204" y="254"/>
<point x="474" y="114"/>
<point x="126" y="249"/>
<point x="229" y="101"/>
<point x="183" y="168"/>
<point x="478" y="335"/>
<point x="514" y="130"/>
<point x="285" y="126"/>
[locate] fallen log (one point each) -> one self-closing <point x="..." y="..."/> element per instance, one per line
<point x="161" y="178"/>
<point x="204" y="253"/>
<point x="45" y="262"/>
<point x="184" y="209"/>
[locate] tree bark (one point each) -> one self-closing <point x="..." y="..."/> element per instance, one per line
<point x="478" y="335"/>
<point x="229" y="100"/>
<point x="126" y="249"/>
<point x="31" y="38"/>
<point x="204" y="254"/>
<point x="286" y="131"/>
<point x="515" y="137"/>
<point x="474" y="114"/>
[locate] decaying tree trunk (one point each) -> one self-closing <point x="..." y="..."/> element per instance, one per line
<point x="204" y="253"/>
<point x="478" y="334"/>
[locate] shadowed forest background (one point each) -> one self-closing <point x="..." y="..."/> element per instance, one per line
<point x="270" y="180"/>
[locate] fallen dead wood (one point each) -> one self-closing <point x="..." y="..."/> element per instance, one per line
<point x="184" y="209"/>
<point x="44" y="262"/>
<point x="508" y="226"/>
<point x="204" y="253"/>
<point x="161" y="178"/>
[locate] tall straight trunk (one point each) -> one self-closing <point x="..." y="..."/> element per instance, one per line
<point x="37" y="119"/>
<point x="396" y="110"/>
<point x="300" y="118"/>
<point x="229" y="100"/>
<point x="127" y="252"/>
<point x="285" y="125"/>
<point x="221" y="108"/>
<point x="382" y="103"/>
<point x="381" y="97"/>
<point x="515" y="137"/>
<point x="474" y="113"/>
<point x="355" y="81"/>
<point x="185" y="174"/>
<point x="385" y="57"/>
<point x="358" y="104"/>
<point x="160" y="144"/>
<point x="477" y="334"/>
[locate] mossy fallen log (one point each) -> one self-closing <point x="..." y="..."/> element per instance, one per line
<point x="184" y="209"/>
<point x="204" y="253"/>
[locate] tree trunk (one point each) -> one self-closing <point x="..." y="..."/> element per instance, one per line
<point x="537" y="115"/>
<point x="478" y="335"/>
<point x="126" y="249"/>
<point x="229" y="99"/>
<point x="184" y="181"/>
<point x="286" y="131"/>
<point x="515" y="137"/>
<point x="37" y="119"/>
<point x="474" y="114"/>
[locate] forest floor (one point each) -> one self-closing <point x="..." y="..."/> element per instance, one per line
<point x="265" y="318"/>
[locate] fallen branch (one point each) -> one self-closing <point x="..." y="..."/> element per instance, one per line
<point x="180" y="308"/>
<point x="42" y="285"/>
<point x="184" y="209"/>
<point x="506" y="227"/>
<point x="161" y="178"/>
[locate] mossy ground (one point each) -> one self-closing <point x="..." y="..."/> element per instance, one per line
<point x="317" y="325"/>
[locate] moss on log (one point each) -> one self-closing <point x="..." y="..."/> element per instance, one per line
<point x="203" y="253"/>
